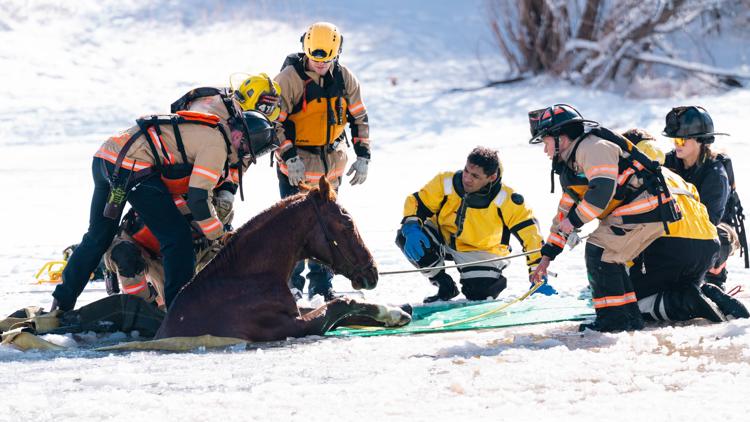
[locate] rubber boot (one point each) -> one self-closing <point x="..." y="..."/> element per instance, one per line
<point x="611" y="289"/>
<point x="680" y="305"/>
<point x="447" y="289"/>
<point x="719" y="279"/>
<point x="730" y="306"/>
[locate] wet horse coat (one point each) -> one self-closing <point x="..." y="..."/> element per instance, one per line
<point x="243" y="292"/>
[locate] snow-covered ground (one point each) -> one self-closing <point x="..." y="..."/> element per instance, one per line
<point x="73" y="73"/>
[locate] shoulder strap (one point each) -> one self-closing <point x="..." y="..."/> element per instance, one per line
<point x="297" y="61"/>
<point x="727" y="162"/>
<point x="339" y="86"/>
<point x="626" y="146"/>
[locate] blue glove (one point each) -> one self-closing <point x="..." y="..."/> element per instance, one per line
<point x="545" y="289"/>
<point x="416" y="241"/>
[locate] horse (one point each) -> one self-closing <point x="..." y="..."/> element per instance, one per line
<point x="243" y="292"/>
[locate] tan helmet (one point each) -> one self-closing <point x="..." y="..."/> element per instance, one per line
<point x="322" y="42"/>
<point x="250" y="91"/>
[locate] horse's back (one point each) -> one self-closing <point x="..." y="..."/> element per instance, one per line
<point x="228" y="308"/>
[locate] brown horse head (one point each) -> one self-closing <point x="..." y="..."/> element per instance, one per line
<point x="334" y="239"/>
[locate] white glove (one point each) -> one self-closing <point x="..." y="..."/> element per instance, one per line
<point x="223" y="203"/>
<point x="296" y="170"/>
<point x="359" y="168"/>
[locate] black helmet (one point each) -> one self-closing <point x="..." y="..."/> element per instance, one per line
<point x="690" y="122"/>
<point x="547" y="121"/>
<point x="258" y="132"/>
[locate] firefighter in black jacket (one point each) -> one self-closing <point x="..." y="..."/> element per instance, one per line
<point x="692" y="130"/>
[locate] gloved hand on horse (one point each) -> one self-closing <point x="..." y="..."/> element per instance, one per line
<point x="415" y="241"/>
<point x="223" y="203"/>
<point x="295" y="170"/>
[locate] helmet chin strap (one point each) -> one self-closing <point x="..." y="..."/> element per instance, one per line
<point x="554" y="163"/>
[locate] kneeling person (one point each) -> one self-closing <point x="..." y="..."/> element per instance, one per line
<point x="134" y="260"/>
<point x="467" y="216"/>
<point x="668" y="277"/>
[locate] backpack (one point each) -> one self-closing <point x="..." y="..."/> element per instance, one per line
<point x="226" y="96"/>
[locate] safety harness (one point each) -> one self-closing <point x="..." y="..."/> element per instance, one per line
<point x="175" y="175"/>
<point x="235" y="117"/>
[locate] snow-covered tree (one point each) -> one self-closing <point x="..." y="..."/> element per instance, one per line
<point x="604" y="43"/>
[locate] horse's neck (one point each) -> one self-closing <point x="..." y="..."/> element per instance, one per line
<point x="278" y="245"/>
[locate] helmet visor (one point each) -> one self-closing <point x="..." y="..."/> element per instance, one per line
<point x="263" y="142"/>
<point x="322" y="56"/>
<point x="534" y="123"/>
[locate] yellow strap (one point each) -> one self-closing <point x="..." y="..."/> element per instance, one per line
<point x="52" y="272"/>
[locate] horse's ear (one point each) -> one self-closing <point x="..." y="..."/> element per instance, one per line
<point x="326" y="192"/>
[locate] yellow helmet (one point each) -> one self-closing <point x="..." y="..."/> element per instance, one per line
<point x="261" y="93"/>
<point x="651" y="150"/>
<point x="646" y="143"/>
<point x="322" y="42"/>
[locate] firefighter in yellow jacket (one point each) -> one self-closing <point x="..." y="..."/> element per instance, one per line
<point x="669" y="276"/>
<point x="179" y="154"/>
<point x="468" y="216"/>
<point x="319" y="96"/>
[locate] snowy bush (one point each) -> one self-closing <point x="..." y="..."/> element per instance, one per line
<point x="630" y="45"/>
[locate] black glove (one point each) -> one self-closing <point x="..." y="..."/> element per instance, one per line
<point x="201" y="243"/>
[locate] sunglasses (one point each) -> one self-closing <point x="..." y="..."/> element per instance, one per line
<point x="679" y="142"/>
<point x="321" y="54"/>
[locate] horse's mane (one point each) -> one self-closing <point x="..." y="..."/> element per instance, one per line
<point x="228" y="253"/>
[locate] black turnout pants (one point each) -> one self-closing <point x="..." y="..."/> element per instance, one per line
<point x="155" y="205"/>
<point x="672" y="263"/>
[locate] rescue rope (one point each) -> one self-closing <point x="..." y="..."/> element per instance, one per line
<point x="734" y="291"/>
<point x="465" y="264"/>
<point x="465" y="320"/>
<point x="481" y="261"/>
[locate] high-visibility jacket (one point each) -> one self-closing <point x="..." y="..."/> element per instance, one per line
<point x="480" y="221"/>
<point x="695" y="222"/>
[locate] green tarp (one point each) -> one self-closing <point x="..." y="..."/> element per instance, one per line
<point x="451" y="316"/>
